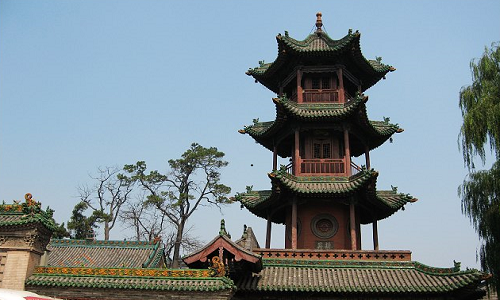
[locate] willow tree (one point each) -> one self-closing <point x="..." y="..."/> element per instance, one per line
<point x="191" y="181"/>
<point x="479" y="136"/>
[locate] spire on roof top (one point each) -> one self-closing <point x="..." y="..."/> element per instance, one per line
<point x="222" y="230"/>
<point x="319" y="22"/>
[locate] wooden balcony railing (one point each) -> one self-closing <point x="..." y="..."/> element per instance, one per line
<point x="322" y="166"/>
<point x="326" y="95"/>
<point x="367" y="255"/>
<point x="322" y="96"/>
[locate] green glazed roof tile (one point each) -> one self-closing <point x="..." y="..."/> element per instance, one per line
<point x="378" y="204"/>
<point x="166" y="284"/>
<point x="289" y="112"/>
<point x="357" y="277"/>
<point x="319" y="44"/>
<point x="254" y="198"/>
<point x="96" y="253"/>
<point x="130" y="278"/>
<point x="394" y="199"/>
<point x="26" y="213"/>
<point x="323" y="184"/>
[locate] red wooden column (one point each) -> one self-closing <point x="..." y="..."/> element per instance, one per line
<point x="294" y="223"/>
<point x="296" y="154"/>
<point x="341" y="85"/>
<point x="268" y="232"/>
<point x="299" y="86"/>
<point x="347" y="153"/>
<point x="352" y="219"/>
<point x="367" y="157"/>
<point x="375" y="235"/>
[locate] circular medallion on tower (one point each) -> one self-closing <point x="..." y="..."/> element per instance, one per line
<point x="324" y="226"/>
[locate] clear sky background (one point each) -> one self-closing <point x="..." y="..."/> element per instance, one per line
<point x="85" y="84"/>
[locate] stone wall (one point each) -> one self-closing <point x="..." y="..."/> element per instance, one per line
<point x="19" y="265"/>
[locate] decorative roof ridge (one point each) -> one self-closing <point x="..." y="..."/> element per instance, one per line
<point x="155" y="256"/>
<point x="445" y="271"/>
<point x="394" y="192"/>
<point x="318" y="35"/>
<point x="124" y="272"/>
<point x="251" y="192"/>
<point x="307" y="263"/>
<point x="129" y="278"/>
<point x="29" y="211"/>
<point x="104" y="244"/>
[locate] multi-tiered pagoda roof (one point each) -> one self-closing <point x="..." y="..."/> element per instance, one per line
<point x="319" y="48"/>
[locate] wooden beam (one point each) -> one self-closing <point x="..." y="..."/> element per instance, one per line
<point x="341" y="85"/>
<point x="268" y="232"/>
<point x="375" y="235"/>
<point x="347" y="153"/>
<point x="299" y="86"/>
<point x="296" y="154"/>
<point x="352" y="220"/>
<point x="294" y="223"/>
<point x="367" y="157"/>
<point x="275" y="158"/>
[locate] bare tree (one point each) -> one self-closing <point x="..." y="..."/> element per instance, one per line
<point x="146" y="221"/>
<point x="192" y="180"/>
<point x="149" y="223"/>
<point x="107" y="196"/>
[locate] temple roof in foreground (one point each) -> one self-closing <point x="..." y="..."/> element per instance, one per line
<point x="129" y="278"/>
<point x="357" y="277"/>
<point x="338" y="273"/>
<point x="96" y="253"/>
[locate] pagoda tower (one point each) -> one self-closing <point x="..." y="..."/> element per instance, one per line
<point x="322" y="197"/>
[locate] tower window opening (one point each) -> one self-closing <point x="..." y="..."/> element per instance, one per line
<point x="322" y="150"/>
<point x="325" y="83"/>
<point x="316" y="83"/>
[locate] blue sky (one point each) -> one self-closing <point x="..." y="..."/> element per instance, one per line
<point x="85" y="84"/>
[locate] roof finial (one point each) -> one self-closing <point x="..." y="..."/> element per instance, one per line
<point x="222" y="230"/>
<point x="319" y="22"/>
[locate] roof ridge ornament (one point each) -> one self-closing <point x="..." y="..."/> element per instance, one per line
<point x="222" y="230"/>
<point x="319" y="22"/>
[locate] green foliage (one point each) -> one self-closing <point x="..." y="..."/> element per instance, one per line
<point x="79" y="224"/>
<point x="480" y="105"/>
<point x="192" y="180"/>
<point x="480" y="191"/>
<point x="60" y="232"/>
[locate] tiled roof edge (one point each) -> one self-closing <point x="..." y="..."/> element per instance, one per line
<point x="30" y="219"/>
<point x="222" y="283"/>
<point x="102" y="243"/>
<point x="304" y="263"/>
<point x="155" y="256"/>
